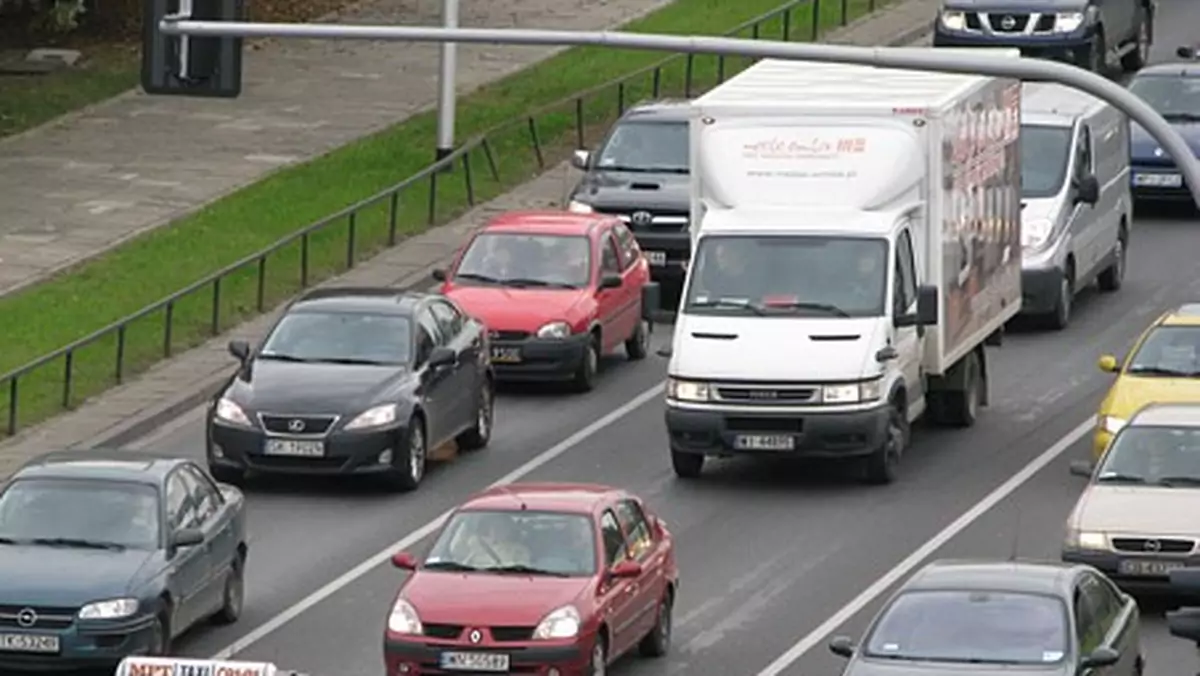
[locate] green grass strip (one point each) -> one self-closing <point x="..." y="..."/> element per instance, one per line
<point x="45" y="317"/>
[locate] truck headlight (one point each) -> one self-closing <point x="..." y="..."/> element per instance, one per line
<point x="229" y="412"/>
<point x="1036" y="233"/>
<point x="577" y="207"/>
<point x="688" y="390"/>
<point x="852" y="393"/>
<point x="1084" y="539"/>
<point x="554" y="330"/>
<point x="112" y="609"/>
<point x="954" y="20"/>
<point x="1068" y="22"/>
<point x="1112" y="425"/>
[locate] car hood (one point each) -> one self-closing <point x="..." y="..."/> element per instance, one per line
<point x="1130" y="393"/>
<point x="1145" y="510"/>
<point x="67" y="577"/>
<point x="513" y="309"/>
<point x="485" y="599"/>
<point x="634" y="190"/>
<point x="861" y="667"/>
<point x="1144" y="146"/>
<point x="280" y="386"/>
<point x="1014" y="5"/>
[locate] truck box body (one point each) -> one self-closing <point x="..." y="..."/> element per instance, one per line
<point x="814" y="137"/>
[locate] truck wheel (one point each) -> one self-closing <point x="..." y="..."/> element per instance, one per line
<point x="962" y="406"/>
<point x="881" y="466"/>
<point x="687" y="465"/>
<point x="1114" y="275"/>
<point x="1137" y="57"/>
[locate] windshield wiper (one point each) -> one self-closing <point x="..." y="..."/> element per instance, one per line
<point x="7" y="541"/>
<point x="450" y="565"/>
<point x="78" y="542"/>
<point x="817" y="307"/>
<point x="1117" y="478"/>
<point x="522" y="281"/>
<point x="476" y="276"/>
<point x="352" y="361"/>
<point x="523" y="569"/>
<point x="1181" y="117"/>
<point x="282" y="357"/>
<point x="1160" y="371"/>
<point x="728" y="302"/>
<point x="1170" y="481"/>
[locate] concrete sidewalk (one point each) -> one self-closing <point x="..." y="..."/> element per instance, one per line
<point x="179" y="384"/>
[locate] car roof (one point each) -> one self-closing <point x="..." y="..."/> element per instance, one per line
<point x="660" y="110"/>
<point x="1029" y="577"/>
<point x="1173" y="68"/>
<point x="367" y="299"/>
<point x="546" y="222"/>
<point x="1187" y="314"/>
<point x="102" y="465"/>
<point x="572" y="498"/>
<point x="1167" y="415"/>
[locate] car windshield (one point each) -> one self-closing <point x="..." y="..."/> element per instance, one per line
<point x="1169" y="351"/>
<point x="788" y="275"/>
<point x="521" y="260"/>
<point x="1044" y="154"/>
<point x="1172" y="95"/>
<point x="526" y="542"/>
<point x="340" y="337"/>
<point x="1153" y="455"/>
<point x="647" y="147"/>
<point x="971" y="626"/>
<point x="80" y="513"/>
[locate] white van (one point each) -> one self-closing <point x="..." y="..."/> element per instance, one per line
<point x="1076" y="207"/>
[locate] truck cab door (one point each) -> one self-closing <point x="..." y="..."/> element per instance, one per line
<point x="907" y="340"/>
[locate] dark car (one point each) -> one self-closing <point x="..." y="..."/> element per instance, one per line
<point x="640" y="174"/>
<point x="993" y="618"/>
<point x="1173" y="90"/>
<point x="107" y="554"/>
<point x="361" y="381"/>
<point x="1083" y="32"/>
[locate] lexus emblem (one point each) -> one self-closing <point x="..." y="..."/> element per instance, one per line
<point x="1152" y="545"/>
<point x="295" y="425"/>
<point x="1008" y="22"/>
<point x="641" y="218"/>
<point x="26" y="617"/>
<point x="475" y="636"/>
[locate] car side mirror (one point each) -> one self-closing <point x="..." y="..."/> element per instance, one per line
<point x="187" y="537"/>
<point x="1087" y="190"/>
<point x="1108" y="364"/>
<point x="438" y="275"/>
<point x="625" y="570"/>
<point x="927" y="309"/>
<point x="1184" y="623"/>
<point x="1082" y="468"/>
<point x="442" y="356"/>
<point x="404" y="561"/>
<point x="1100" y="657"/>
<point x="1186" y="52"/>
<point x="240" y="349"/>
<point x="842" y="646"/>
<point x="580" y="159"/>
<point x="610" y="280"/>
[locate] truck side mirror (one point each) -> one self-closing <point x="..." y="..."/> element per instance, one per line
<point x="927" y="309"/>
<point x="1185" y="52"/>
<point x="1087" y="190"/>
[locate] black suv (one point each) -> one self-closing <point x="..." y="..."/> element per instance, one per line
<point x="640" y="174"/>
<point x="1086" y="33"/>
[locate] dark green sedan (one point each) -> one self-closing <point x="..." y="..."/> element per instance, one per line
<point x="106" y="554"/>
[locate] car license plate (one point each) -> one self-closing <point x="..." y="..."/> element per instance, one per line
<point x="506" y="355"/>
<point x="764" y="442"/>
<point x="1148" y="567"/>
<point x="29" y="643"/>
<point x="497" y="662"/>
<point x="295" y="448"/>
<point x="656" y="257"/>
<point x="1158" y="180"/>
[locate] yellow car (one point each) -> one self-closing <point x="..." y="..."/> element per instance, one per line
<point x="1162" y="368"/>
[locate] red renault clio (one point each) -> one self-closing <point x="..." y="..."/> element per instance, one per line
<point x="557" y="291"/>
<point x="538" y="579"/>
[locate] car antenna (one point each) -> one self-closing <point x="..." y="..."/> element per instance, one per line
<point x="508" y="491"/>
<point x="1015" y="548"/>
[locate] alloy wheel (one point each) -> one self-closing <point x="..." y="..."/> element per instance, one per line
<point x="416" y="454"/>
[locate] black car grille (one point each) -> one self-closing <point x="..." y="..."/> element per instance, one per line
<point x="1045" y="24"/>
<point x="766" y="394"/>
<point x="998" y="22"/>
<point x="508" y="335"/>
<point x="678" y="220"/>
<point x="451" y="632"/>
<point x="283" y="424"/>
<point x="1153" y="545"/>
<point x="443" y="631"/>
<point x="44" y="617"/>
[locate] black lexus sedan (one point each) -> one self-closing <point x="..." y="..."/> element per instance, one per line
<point x="361" y="381"/>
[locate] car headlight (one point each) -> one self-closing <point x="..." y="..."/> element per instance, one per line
<point x="954" y="20"/>
<point x="852" y="393"/>
<point x="560" y="623"/>
<point x="1068" y="22"/>
<point x="1083" y="539"/>
<point x="403" y="619"/>
<point x="1112" y="425"/>
<point x="112" y="609"/>
<point x="1035" y="233"/>
<point x="577" y="207"/>
<point x="556" y="330"/>
<point x="688" y="390"/>
<point x="374" y="417"/>
<point x="230" y="412"/>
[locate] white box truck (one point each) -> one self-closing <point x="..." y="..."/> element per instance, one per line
<point x="856" y="239"/>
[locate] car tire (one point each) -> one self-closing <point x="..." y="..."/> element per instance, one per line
<point x="1136" y="58"/>
<point x="1060" y="317"/>
<point x="408" y="465"/>
<point x="234" y="595"/>
<point x="227" y="475"/>
<point x="160" y="632"/>
<point x="598" y="662"/>
<point x="658" y="642"/>
<point x="1114" y="275"/>
<point x="481" y="432"/>
<point x="638" y="345"/>
<point x="687" y="465"/>
<point x="585" y="375"/>
<point x="881" y="467"/>
<point x="962" y="407"/>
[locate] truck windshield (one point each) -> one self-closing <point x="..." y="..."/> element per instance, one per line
<point x="788" y="275"/>
<point x="1044" y="154"/>
<point x="652" y="147"/>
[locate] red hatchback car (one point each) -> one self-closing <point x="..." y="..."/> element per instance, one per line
<point x="557" y="291"/>
<point x="545" y="579"/>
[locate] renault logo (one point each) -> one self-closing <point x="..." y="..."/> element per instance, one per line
<point x="475" y="636"/>
<point x="295" y="425"/>
<point x="26" y="617"/>
<point x="1152" y="545"/>
<point x="641" y="218"/>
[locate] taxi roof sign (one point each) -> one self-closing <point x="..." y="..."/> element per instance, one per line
<point x="182" y="666"/>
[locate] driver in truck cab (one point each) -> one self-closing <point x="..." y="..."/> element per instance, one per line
<point x="724" y="273"/>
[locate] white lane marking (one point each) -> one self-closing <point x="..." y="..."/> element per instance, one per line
<point x="265" y="629"/>
<point x="163" y="431"/>
<point x="925" y="551"/>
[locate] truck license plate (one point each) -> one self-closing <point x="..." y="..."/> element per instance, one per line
<point x="295" y="448"/>
<point x="1158" y="180"/>
<point x="1148" y="568"/>
<point x="475" y="662"/>
<point x="29" y="643"/>
<point x="656" y="257"/>
<point x="764" y="442"/>
<point x="506" y="355"/>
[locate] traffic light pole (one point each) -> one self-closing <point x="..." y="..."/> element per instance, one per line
<point x="905" y="58"/>
<point x="447" y="82"/>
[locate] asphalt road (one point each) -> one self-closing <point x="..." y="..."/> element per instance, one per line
<point x="773" y="556"/>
